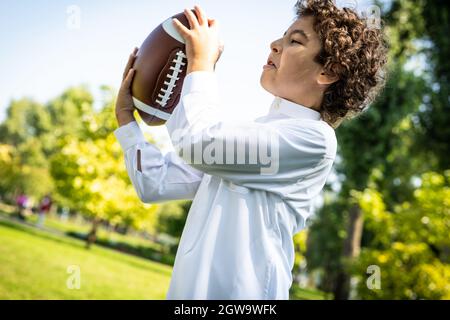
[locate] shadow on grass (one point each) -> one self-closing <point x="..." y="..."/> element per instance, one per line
<point x="41" y="233"/>
<point x="135" y="250"/>
<point x="77" y="241"/>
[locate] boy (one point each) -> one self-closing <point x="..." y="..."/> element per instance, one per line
<point x="237" y="241"/>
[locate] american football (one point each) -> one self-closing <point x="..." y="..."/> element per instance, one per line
<point x="160" y="69"/>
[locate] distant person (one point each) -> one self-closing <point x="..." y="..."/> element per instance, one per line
<point x="22" y="202"/>
<point x="64" y="214"/>
<point x="44" y="209"/>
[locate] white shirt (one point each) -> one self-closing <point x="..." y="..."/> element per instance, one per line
<point x="237" y="241"/>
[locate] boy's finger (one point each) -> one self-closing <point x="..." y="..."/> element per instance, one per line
<point x="193" y="22"/>
<point x="127" y="81"/>
<point x="200" y="15"/>
<point x="180" y="27"/>
<point x="129" y="63"/>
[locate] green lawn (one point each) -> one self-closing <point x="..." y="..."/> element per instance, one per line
<point x="80" y="226"/>
<point x="33" y="265"/>
<point x="297" y="293"/>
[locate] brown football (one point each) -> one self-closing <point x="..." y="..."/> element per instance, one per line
<point x="160" y="69"/>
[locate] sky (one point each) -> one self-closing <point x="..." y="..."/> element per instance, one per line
<point x="48" y="46"/>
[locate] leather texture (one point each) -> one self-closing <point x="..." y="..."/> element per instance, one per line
<point x="160" y="69"/>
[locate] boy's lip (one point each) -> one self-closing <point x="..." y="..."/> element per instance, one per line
<point x="271" y="62"/>
<point x="269" y="66"/>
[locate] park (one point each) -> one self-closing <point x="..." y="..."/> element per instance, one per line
<point x="73" y="226"/>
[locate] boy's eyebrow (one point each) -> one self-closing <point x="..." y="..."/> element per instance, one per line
<point x="303" y="33"/>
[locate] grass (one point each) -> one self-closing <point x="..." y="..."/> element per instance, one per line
<point x="33" y="265"/>
<point x="297" y="293"/>
<point x="68" y="226"/>
<point x="128" y="243"/>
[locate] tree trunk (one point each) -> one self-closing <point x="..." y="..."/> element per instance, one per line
<point x="92" y="235"/>
<point x="351" y="249"/>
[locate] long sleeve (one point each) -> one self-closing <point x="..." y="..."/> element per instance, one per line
<point x="252" y="154"/>
<point x="161" y="177"/>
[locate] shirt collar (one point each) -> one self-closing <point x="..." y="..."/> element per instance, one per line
<point x="293" y="110"/>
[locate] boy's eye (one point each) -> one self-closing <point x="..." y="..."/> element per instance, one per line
<point x="294" y="41"/>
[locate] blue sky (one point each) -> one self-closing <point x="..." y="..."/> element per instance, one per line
<point x="41" y="55"/>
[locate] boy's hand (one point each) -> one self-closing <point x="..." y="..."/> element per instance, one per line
<point x="124" y="104"/>
<point x="203" y="47"/>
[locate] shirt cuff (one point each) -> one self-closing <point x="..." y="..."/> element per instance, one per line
<point x="200" y="81"/>
<point x="129" y="135"/>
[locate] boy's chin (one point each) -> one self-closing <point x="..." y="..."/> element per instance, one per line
<point x="266" y="87"/>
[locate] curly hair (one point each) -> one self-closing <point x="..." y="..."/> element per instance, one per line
<point x="352" y="50"/>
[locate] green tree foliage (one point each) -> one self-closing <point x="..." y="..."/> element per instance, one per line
<point x="25" y="119"/>
<point x="68" y="149"/>
<point x="92" y="175"/>
<point x="404" y="134"/>
<point x="434" y="120"/>
<point x="89" y="171"/>
<point x="26" y="122"/>
<point x="8" y="169"/>
<point x="71" y="113"/>
<point x="172" y="217"/>
<point x="410" y="245"/>
<point x="364" y="146"/>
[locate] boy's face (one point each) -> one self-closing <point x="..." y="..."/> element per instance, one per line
<point x="295" y="73"/>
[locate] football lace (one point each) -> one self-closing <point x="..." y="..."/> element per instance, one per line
<point x="172" y="78"/>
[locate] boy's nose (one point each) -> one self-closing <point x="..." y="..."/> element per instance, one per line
<point x="275" y="46"/>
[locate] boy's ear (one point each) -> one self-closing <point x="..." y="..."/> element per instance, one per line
<point x="326" y="78"/>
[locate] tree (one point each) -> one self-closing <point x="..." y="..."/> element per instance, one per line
<point x="32" y="129"/>
<point x="434" y="120"/>
<point x="8" y="168"/>
<point x="410" y="245"/>
<point x="363" y="146"/>
<point x="407" y="136"/>
<point x="68" y="149"/>
<point x="171" y="218"/>
<point x="91" y="175"/>
<point x="25" y="119"/>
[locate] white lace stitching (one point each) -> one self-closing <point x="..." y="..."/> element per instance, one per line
<point x="165" y="93"/>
